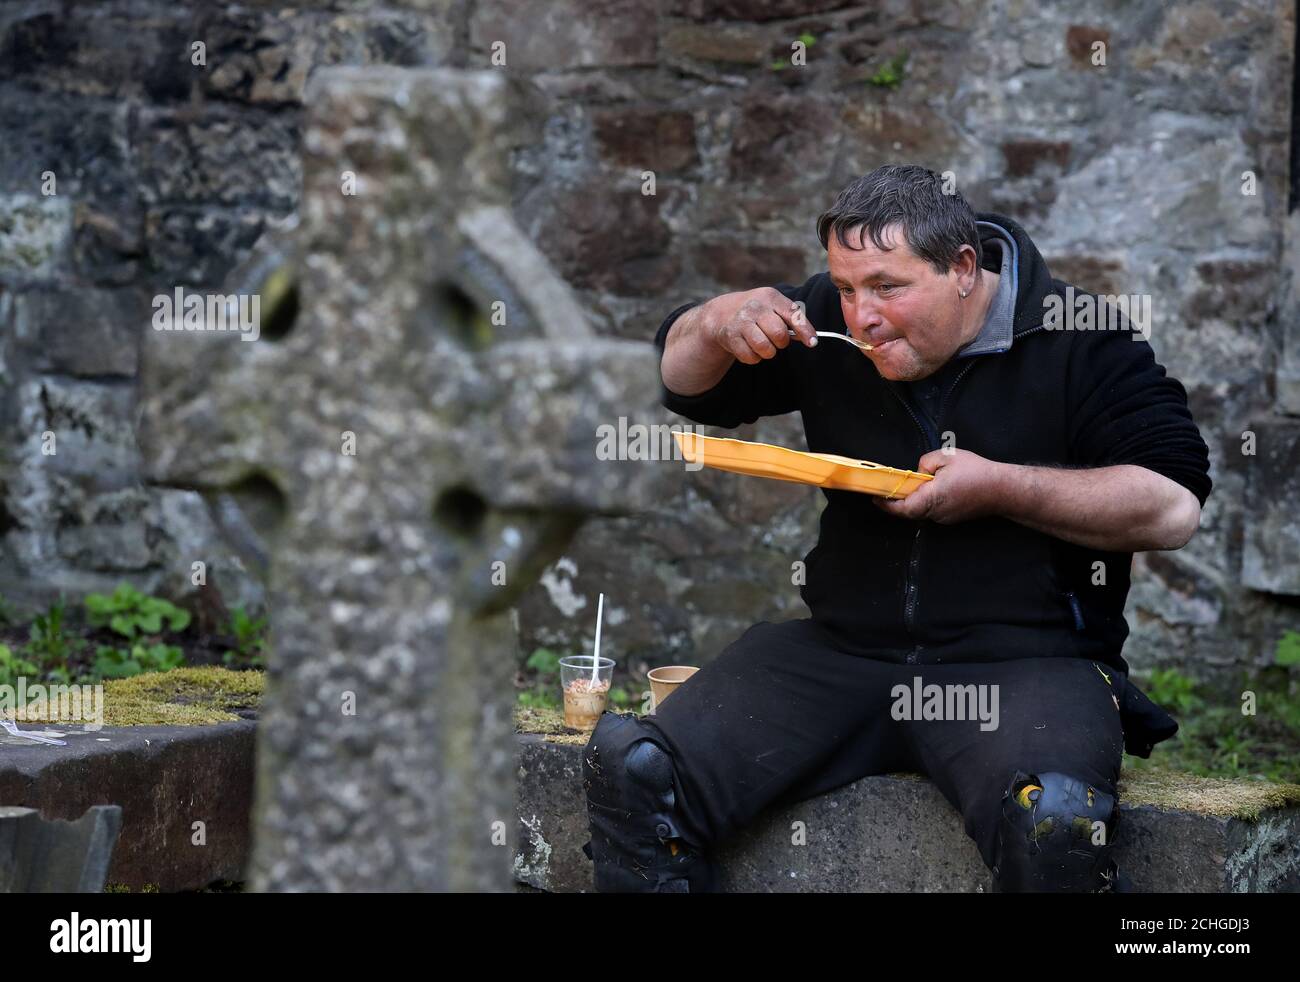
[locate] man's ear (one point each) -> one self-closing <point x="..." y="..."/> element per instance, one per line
<point x="966" y="263"/>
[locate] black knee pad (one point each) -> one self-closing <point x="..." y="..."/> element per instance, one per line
<point x="1056" y="835"/>
<point x="637" y="839"/>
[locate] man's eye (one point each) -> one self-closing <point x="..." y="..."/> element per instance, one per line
<point x="845" y="290"/>
<point x="885" y="288"/>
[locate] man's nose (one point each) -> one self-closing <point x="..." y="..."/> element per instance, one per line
<point x="862" y="315"/>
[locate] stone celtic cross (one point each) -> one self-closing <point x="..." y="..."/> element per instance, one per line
<point x="407" y="441"/>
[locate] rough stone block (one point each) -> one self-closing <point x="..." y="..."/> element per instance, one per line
<point x="34" y="238"/>
<point x="1271" y="552"/>
<point x="220" y="155"/>
<point x="734" y="264"/>
<point x="39" y="856"/>
<point x="897" y="834"/>
<point x="85" y="332"/>
<point x="197" y="245"/>
<point x="657" y="141"/>
<point x="758" y="10"/>
<point x="164" y="778"/>
<point x="83" y="142"/>
<point x="568" y="34"/>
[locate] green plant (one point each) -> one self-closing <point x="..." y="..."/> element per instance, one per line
<point x="778" y="64"/>
<point x="891" y="74"/>
<point x="12" y="666"/>
<point x="619" y="696"/>
<point x="1230" y="748"/>
<point x="117" y="663"/>
<point x="1282" y="706"/>
<point x="543" y="661"/>
<point x="1288" y="649"/>
<point x="129" y="612"/>
<point x="1173" y="690"/>
<point x="8" y="614"/>
<point x="48" y="643"/>
<point x="538" y="699"/>
<point x="1217" y="739"/>
<point x="542" y="690"/>
<point x="250" y="640"/>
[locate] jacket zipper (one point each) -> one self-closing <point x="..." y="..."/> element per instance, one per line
<point x="910" y="587"/>
<point x="1075" y="609"/>
<point x="909" y="571"/>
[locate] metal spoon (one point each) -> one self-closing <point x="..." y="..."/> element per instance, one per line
<point x="843" y="337"/>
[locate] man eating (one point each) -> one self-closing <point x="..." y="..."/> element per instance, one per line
<point x="1057" y="451"/>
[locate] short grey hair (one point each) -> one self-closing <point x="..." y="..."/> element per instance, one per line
<point x="934" y="224"/>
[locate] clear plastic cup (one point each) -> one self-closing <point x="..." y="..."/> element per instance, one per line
<point x="584" y="698"/>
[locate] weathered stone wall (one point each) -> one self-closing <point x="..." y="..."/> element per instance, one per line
<point x="165" y="172"/>
<point x="1128" y="175"/>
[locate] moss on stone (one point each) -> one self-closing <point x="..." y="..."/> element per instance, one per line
<point x="1170" y="789"/>
<point x="180" y="697"/>
<point x="548" y="723"/>
<point x="1222" y="797"/>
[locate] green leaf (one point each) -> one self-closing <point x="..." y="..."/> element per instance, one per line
<point x="116" y="663"/>
<point x="891" y="74"/>
<point x="170" y="657"/>
<point x="1288" y="649"/>
<point x="544" y="660"/>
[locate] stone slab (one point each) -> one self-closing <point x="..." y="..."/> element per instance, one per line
<point x="165" y="778"/>
<point x="897" y="834"/>
<point x="40" y="856"/>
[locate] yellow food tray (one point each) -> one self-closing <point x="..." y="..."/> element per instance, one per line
<point x="825" y="470"/>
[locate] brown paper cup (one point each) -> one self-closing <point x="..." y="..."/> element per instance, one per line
<point x="663" y="681"/>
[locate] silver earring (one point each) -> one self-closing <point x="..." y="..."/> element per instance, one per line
<point x="963" y="293"/>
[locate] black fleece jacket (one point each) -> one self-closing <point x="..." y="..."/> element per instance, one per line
<point x="987" y="589"/>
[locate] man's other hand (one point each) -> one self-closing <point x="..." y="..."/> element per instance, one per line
<point x="965" y="486"/>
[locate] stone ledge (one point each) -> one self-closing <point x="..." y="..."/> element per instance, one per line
<point x="1224" y="836"/>
<point x="164" y="778"/>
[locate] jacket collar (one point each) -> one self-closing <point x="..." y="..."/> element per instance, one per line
<point x="1034" y="279"/>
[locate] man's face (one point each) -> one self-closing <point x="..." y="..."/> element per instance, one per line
<point x="895" y="300"/>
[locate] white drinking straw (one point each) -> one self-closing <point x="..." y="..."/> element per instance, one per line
<point x="595" y="661"/>
<point x="13" y="730"/>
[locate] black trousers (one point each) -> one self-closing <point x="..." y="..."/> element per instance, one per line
<point x="784" y="713"/>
